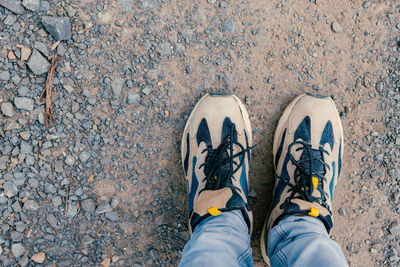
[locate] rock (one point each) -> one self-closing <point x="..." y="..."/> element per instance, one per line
<point x="7" y="109"/>
<point x="10" y="20"/>
<point x="17" y="249"/>
<point x="13" y="5"/>
<point x="112" y="216"/>
<point x="4" y="76"/>
<point x="342" y="212"/>
<point x="230" y="26"/>
<point x="103" y="208"/>
<point x="114" y="202"/>
<point x="25" y="53"/>
<point x="252" y="193"/>
<point x="32" y="5"/>
<point x="126" y="5"/>
<point x="25" y="147"/>
<point x="146" y="90"/>
<point x="10" y="189"/>
<point x="42" y="48"/>
<point x="51" y="219"/>
<point x="133" y="97"/>
<point x="116" y="86"/>
<point x="23" y="103"/>
<point x="56" y="200"/>
<point x="212" y="1"/>
<point x="39" y="257"/>
<point x="31" y="205"/>
<point x="394" y="228"/>
<point x="38" y="64"/>
<point x="87" y="240"/>
<point x="88" y="205"/>
<point x="59" y="166"/>
<point x="377" y="174"/>
<point x="59" y="28"/>
<point x="69" y="160"/>
<point x="336" y="27"/>
<point x="373" y="250"/>
<point x="106" y="262"/>
<point x="366" y="4"/>
<point x="350" y="247"/>
<point x="72" y="209"/>
<point x="84" y="156"/>
<point x="316" y="87"/>
<point x="148" y="4"/>
<point x="11" y="55"/>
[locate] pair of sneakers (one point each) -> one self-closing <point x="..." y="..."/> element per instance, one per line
<point x="307" y="155"/>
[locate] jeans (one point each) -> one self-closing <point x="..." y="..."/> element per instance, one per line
<point x="223" y="240"/>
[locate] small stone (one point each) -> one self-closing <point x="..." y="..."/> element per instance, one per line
<point x="252" y="193"/>
<point x="13" y="5"/>
<point x="146" y="90"/>
<point x="336" y="27"/>
<point x="56" y="200"/>
<point x="88" y="205"/>
<point x="342" y="212"/>
<point x="11" y="55"/>
<point x="366" y="4"/>
<point x="10" y="189"/>
<point x="17" y="249"/>
<point x="106" y="262"/>
<point x="32" y="5"/>
<point x="10" y="20"/>
<point x="103" y="208"/>
<point x="316" y="87"/>
<point x="42" y="48"/>
<point x="394" y="228"/>
<point x="350" y="247"/>
<point x="114" y="202"/>
<point x="51" y="219"/>
<point x="148" y="4"/>
<point x="84" y="156"/>
<point x="116" y="86"/>
<point x="25" y="53"/>
<point x="59" y="28"/>
<point x="133" y="97"/>
<point x="24" y="103"/>
<point x="59" y="166"/>
<point x="188" y="70"/>
<point x="230" y="26"/>
<point x="87" y="240"/>
<point x="31" y="205"/>
<point x="69" y="160"/>
<point x="39" y="257"/>
<point x="7" y="109"/>
<point x="212" y="1"/>
<point x="25" y="147"/>
<point x="72" y="209"/>
<point x="4" y="76"/>
<point x="38" y="64"/>
<point x="112" y="216"/>
<point x="377" y="174"/>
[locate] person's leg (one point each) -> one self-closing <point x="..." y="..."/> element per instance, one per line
<point x="219" y="241"/>
<point x="303" y="241"/>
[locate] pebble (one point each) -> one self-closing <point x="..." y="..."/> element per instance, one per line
<point x="17" y="249"/>
<point x="70" y="160"/>
<point x="37" y="63"/>
<point x="112" y="216"/>
<point x="32" y="5"/>
<point x="394" y="228"/>
<point x="13" y="5"/>
<point x="377" y="174"/>
<point x="103" y="208"/>
<point x="212" y="1"/>
<point x="133" y="97"/>
<point x="25" y="53"/>
<point x="10" y="20"/>
<point x="88" y="205"/>
<point x="342" y="212"/>
<point x="230" y="26"/>
<point x="24" y="103"/>
<point x="148" y="4"/>
<point x="84" y="156"/>
<point x="116" y="86"/>
<point x="59" y="28"/>
<point x="10" y="189"/>
<point x="252" y="193"/>
<point x="39" y="257"/>
<point x="7" y="109"/>
<point x="336" y="27"/>
<point x="72" y="209"/>
<point x="31" y="205"/>
<point x="56" y="200"/>
<point x="87" y="240"/>
<point x="4" y="76"/>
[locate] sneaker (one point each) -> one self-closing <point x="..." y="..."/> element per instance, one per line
<point x="307" y="154"/>
<point x="215" y="149"/>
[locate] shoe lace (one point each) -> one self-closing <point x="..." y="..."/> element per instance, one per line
<point x="311" y="165"/>
<point x="220" y="165"/>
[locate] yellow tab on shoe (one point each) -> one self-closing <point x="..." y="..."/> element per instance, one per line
<point x="315" y="182"/>
<point x="313" y="212"/>
<point x="214" y="211"/>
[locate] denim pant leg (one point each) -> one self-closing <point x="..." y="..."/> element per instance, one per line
<point x="303" y="241"/>
<point x="221" y="240"/>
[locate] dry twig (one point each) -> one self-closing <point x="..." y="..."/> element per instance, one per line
<point x="47" y="89"/>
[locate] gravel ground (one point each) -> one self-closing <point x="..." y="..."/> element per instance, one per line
<point x="103" y="183"/>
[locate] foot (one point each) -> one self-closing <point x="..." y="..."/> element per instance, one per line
<point x="215" y="149"/>
<point x="307" y="153"/>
